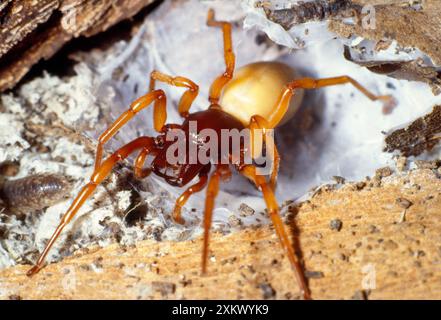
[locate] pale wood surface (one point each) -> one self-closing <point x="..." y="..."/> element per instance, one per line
<point x="406" y="254"/>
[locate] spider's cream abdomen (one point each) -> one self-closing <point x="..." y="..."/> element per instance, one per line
<point x="256" y="88"/>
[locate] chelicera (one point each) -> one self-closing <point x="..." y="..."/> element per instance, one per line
<point x="259" y="97"/>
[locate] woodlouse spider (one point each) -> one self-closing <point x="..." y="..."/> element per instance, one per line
<point x="258" y="98"/>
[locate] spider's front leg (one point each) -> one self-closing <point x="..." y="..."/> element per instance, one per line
<point x="230" y="59"/>
<point x="156" y="96"/>
<point x="187" y="98"/>
<point x="159" y="111"/>
<point x="145" y="144"/>
<point x="222" y="172"/>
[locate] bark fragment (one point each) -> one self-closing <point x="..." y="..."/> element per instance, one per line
<point x="420" y="136"/>
<point x="35" y="30"/>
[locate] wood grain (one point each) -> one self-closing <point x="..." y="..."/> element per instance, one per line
<point x="404" y="256"/>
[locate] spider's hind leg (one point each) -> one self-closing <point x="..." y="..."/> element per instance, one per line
<point x="222" y="80"/>
<point x="282" y="104"/>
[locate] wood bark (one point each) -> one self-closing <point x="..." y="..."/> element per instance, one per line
<point x="34" y="30"/>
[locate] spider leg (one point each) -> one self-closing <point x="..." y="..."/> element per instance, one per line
<point x="156" y="96"/>
<point x="222" y="80"/>
<point x="198" y="186"/>
<point x="221" y="172"/>
<point x="97" y="177"/>
<point x="308" y="83"/>
<point x="249" y="171"/>
<point x="141" y="172"/>
<point x="259" y="123"/>
<point x="187" y="98"/>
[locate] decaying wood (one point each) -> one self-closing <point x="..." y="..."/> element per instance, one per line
<point x="419" y="136"/>
<point x="413" y="24"/>
<point x="303" y="12"/>
<point x="409" y="27"/>
<point x="293" y="13"/>
<point x="377" y="239"/>
<point x="19" y="18"/>
<point x="35" y="30"/>
<point x="413" y="70"/>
